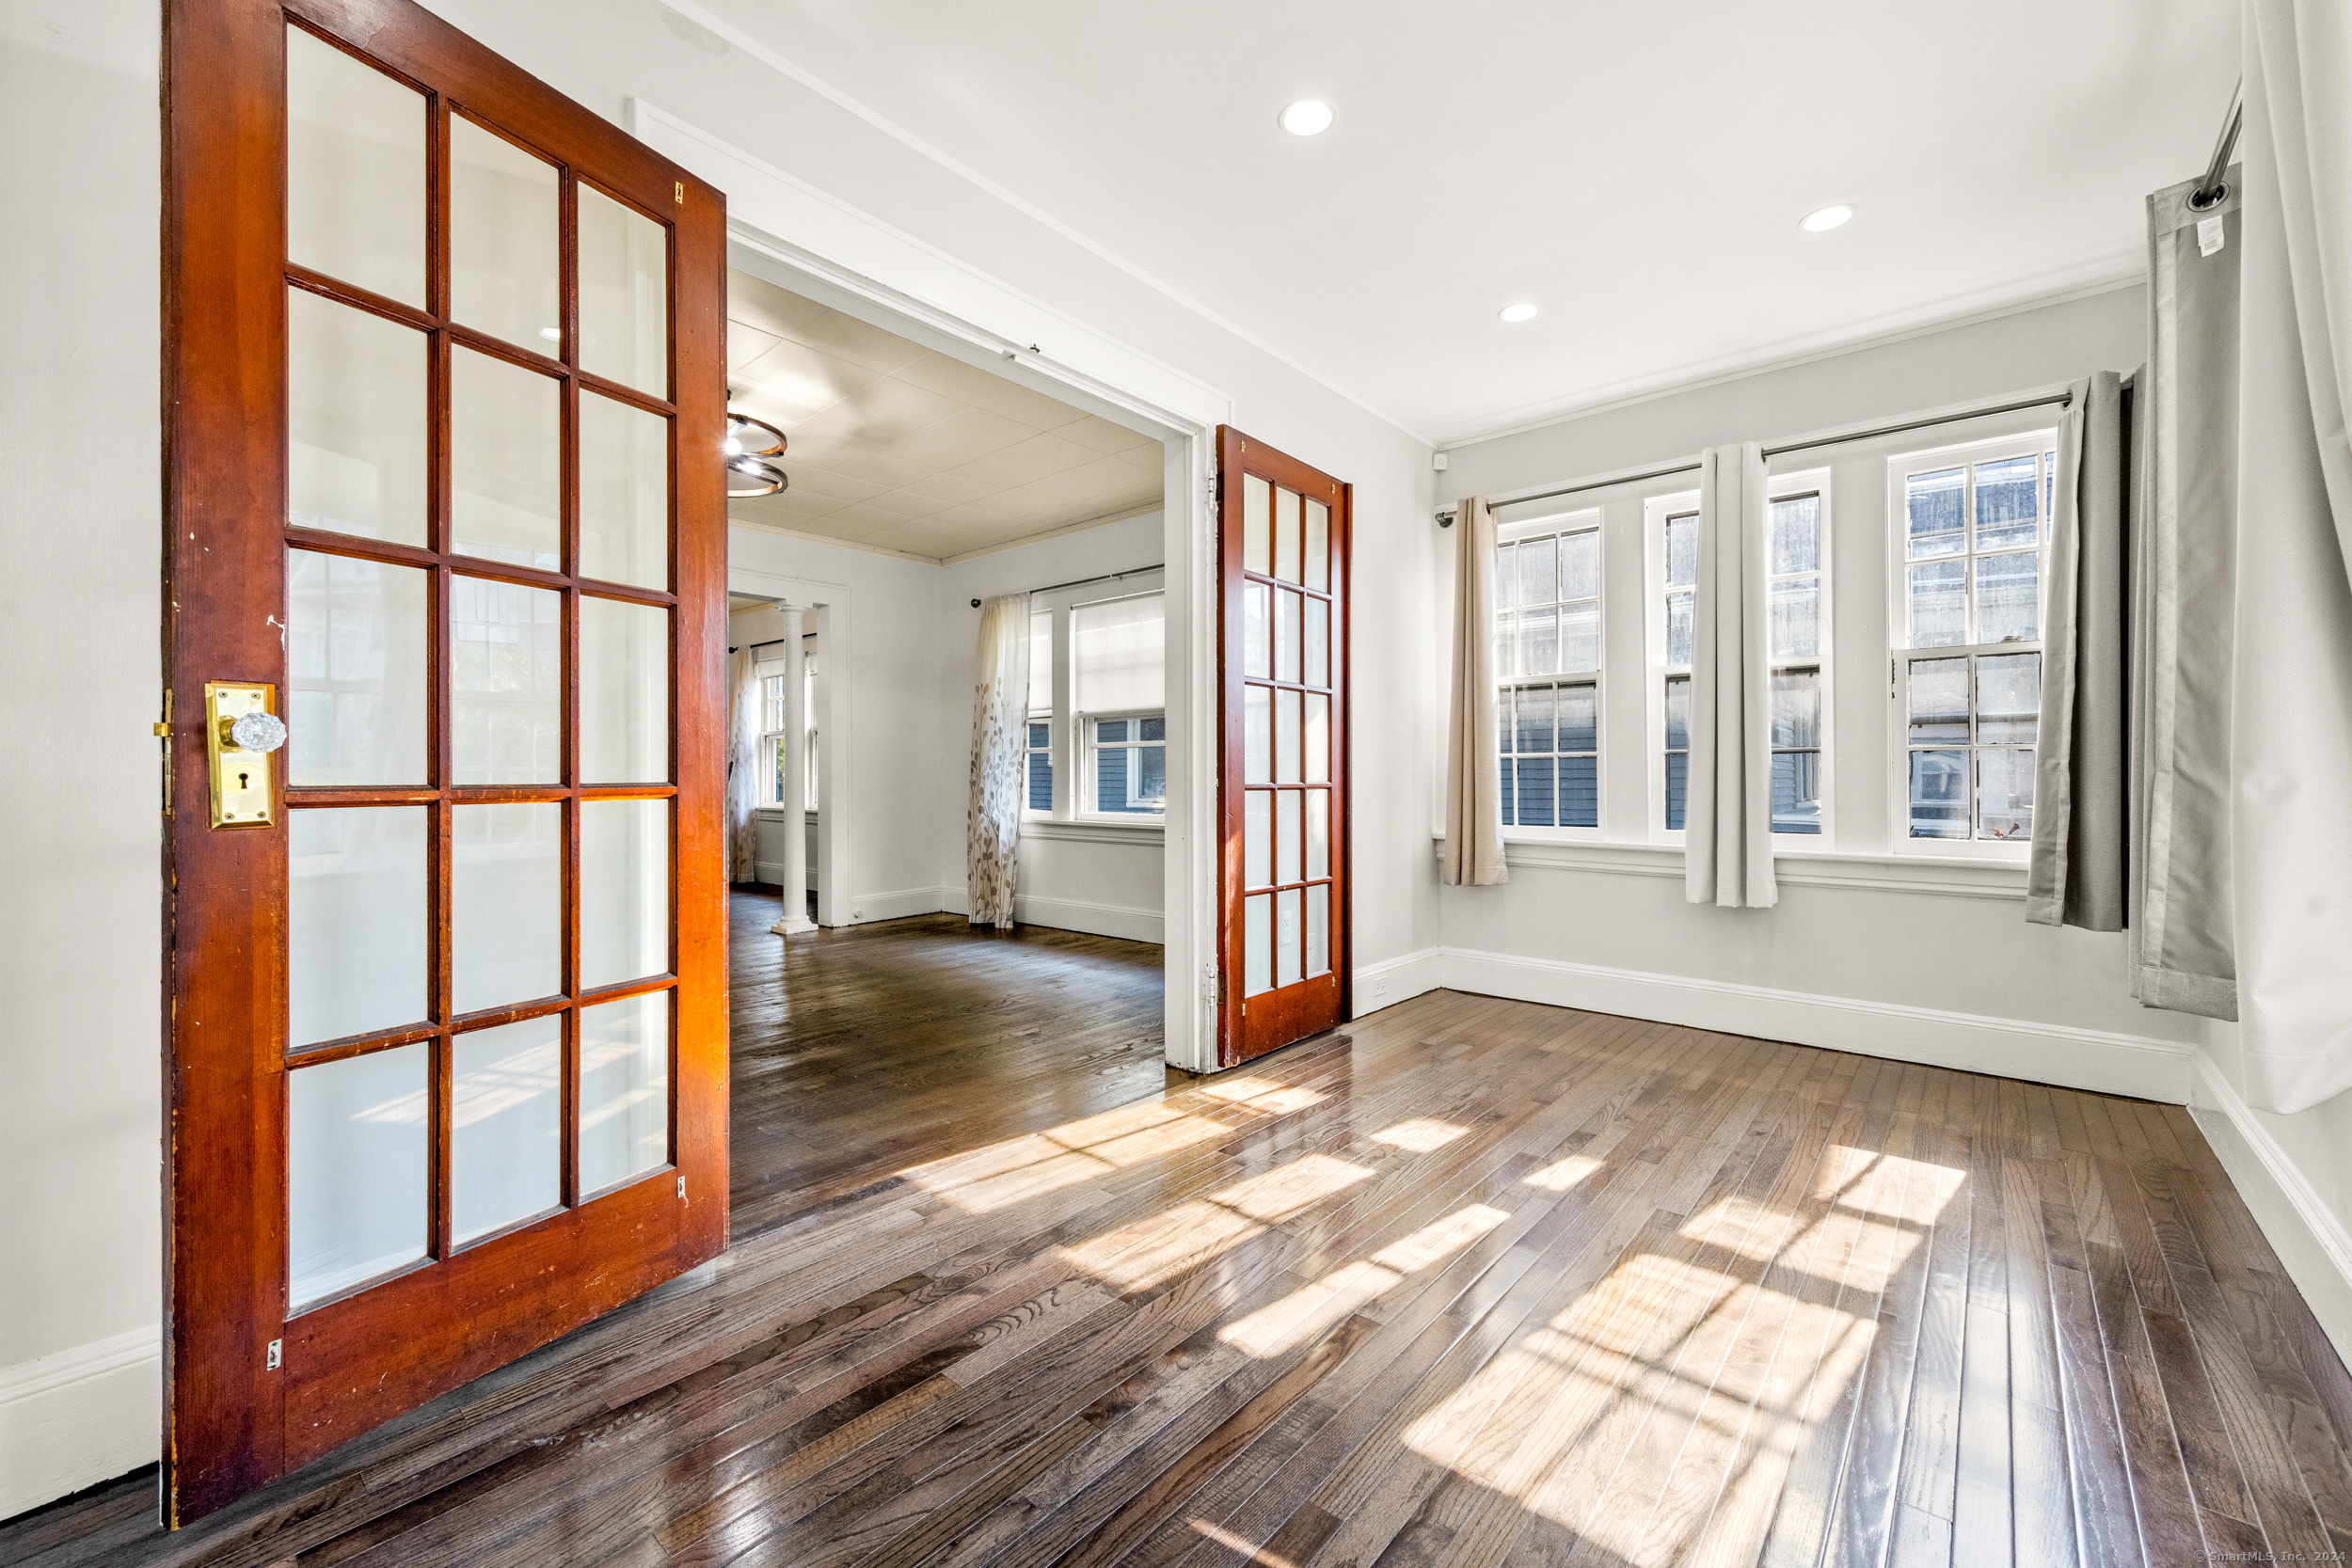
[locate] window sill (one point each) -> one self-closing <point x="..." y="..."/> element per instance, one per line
<point x="1093" y="830"/>
<point x="1950" y="875"/>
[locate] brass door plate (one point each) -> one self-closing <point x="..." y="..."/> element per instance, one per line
<point x="241" y="790"/>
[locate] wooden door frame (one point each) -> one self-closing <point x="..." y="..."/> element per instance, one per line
<point x="233" y="1420"/>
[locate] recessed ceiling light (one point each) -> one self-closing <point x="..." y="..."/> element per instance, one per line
<point x="1308" y="116"/>
<point x="1823" y="220"/>
<point x="552" y="334"/>
<point x="1523" y="310"/>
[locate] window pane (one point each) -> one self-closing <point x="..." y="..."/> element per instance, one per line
<point x="624" y="494"/>
<point x="623" y="692"/>
<point x="2006" y="513"/>
<point x="354" y="421"/>
<point x="1677" y="787"/>
<point x="1257" y="943"/>
<point x="1678" y="629"/>
<point x="1151" y="786"/>
<point x="1257" y="838"/>
<point x="507" y="913"/>
<point x="506" y="682"/>
<point x="1506" y="722"/>
<point x="1506" y="643"/>
<point x="1257" y="525"/>
<point x="354" y="1169"/>
<point x="1041" y="733"/>
<point x="1797" y="708"/>
<point x="1315" y="767"/>
<point x="1152" y="729"/>
<point x="1580" y="792"/>
<point x="1111" y="730"/>
<point x="1682" y="551"/>
<point x="1796" y="525"/>
<point x="1510" y="796"/>
<point x="354" y="670"/>
<point x="624" y="295"/>
<point x="623" y="891"/>
<point x="1539" y="571"/>
<point x="1939" y="603"/>
<point x="1580" y="565"/>
<point x="1286" y="737"/>
<point x="1939" y="700"/>
<point x="1119" y="658"/>
<point x="2009" y="600"/>
<point x="1580" y="635"/>
<point x="1934" y="510"/>
<point x="505" y="1125"/>
<point x="354" y="921"/>
<point x="501" y="239"/>
<point x="1533" y="707"/>
<point x="1679" y="714"/>
<point x="1796" y="609"/>
<point x="1318" y="671"/>
<point x="1257" y="630"/>
<point x="1289" y="853"/>
<point x="1110" y="779"/>
<point x="1040" y="661"/>
<point x="1506" y="577"/>
<point x="1257" y="728"/>
<point x="1580" y="718"/>
<point x="1796" y="792"/>
<point x="2008" y="698"/>
<point x="2049" y="492"/>
<point x="2004" y="795"/>
<point x="1318" y="832"/>
<point x="1318" y="545"/>
<point x="1040" y="781"/>
<point x="1288" y="938"/>
<point x="1318" y="931"/>
<point x="623" y="1089"/>
<point x="1539" y="641"/>
<point x="1535" y="792"/>
<point x="354" y="170"/>
<point x="505" y="461"/>
<point x="1286" y="639"/>
<point x="1285" y="534"/>
<point x="1939" y="794"/>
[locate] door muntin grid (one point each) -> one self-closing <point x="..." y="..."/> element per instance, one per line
<point x="456" y="1069"/>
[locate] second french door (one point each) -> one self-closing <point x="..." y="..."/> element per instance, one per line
<point x="1282" y="896"/>
<point x="447" y="1011"/>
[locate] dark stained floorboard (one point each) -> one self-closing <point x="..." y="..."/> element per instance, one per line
<point x="1472" y="1282"/>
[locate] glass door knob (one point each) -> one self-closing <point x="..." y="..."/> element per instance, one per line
<point x="254" y="731"/>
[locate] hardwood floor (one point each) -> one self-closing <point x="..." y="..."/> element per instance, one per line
<point x="1471" y="1282"/>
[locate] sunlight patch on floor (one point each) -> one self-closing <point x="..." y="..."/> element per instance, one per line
<point x="1565" y="1174"/>
<point x="1158" y="1248"/>
<point x="1314" y="1310"/>
<point x="1261" y="1094"/>
<point x="1233" y="1542"/>
<point x="1017" y="1169"/>
<point x="1420" y="1135"/>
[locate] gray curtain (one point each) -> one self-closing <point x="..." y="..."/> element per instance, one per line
<point x="1473" y="789"/>
<point x="2184" y="940"/>
<point x="2291" y="738"/>
<point x="1727" y="836"/>
<point x="1000" y="714"/>
<point x="2080" y="795"/>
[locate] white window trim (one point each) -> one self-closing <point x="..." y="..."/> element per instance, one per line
<point x="1068" y="740"/>
<point x="1091" y="811"/>
<point x="1591" y="519"/>
<point x="1899" y="466"/>
<point x="1655" y="510"/>
<point x="1781" y="488"/>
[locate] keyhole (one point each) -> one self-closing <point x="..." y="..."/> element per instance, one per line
<point x="242" y="781"/>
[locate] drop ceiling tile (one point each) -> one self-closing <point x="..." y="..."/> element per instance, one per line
<point x="1032" y="459"/>
<point x="759" y="303"/>
<point x="745" y="344"/>
<point x="893" y="410"/>
<point x="948" y="489"/>
<point x="798" y="381"/>
<point x="965" y="435"/>
<point x="1118" y="482"/>
<point x="929" y="537"/>
<point x="850" y="339"/>
<point x="839" y="426"/>
<point x="1034" y="409"/>
<point x="823" y="481"/>
<point x="1104" y="436"/>
<point x="879" y="467"/>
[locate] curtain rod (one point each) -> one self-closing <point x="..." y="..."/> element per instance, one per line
<point x="1105" y="577"/>
<point x="2210" y="190"/>
<point x="1835" y="437"/>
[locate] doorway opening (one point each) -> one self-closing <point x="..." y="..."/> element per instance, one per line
<point x="879" y="1022"/>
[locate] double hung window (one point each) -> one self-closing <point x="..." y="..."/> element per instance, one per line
<point x="774" y="724"/>
<point x="1548" y="672"/>
<point x="1039" y="797"/>
<point x="1117" y="652"/>
<point x="1678" y="533"/>
<point x="1971" y="527"/>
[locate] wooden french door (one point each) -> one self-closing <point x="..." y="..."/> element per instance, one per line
<point x="445" y="1007"/>
<point x="1282" y="904"/>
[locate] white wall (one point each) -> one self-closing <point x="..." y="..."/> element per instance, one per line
<point x="80" y="930"/>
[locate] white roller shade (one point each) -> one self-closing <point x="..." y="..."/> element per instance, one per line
<point x="1120" y="662"/>
<point x="1040" y="660"/>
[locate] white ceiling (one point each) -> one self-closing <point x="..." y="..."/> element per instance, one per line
<point x="1638" y="171"/>
<point x="895" y="447"/>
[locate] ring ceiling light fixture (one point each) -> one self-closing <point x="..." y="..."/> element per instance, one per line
<point x="750" y="444"/>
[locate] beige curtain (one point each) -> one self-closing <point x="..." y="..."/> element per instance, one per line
<point x="1000" y="713"/>
<point x="1473" y="789"/>
<point x="2081" y="798"/>
<point x="1727" y="836"/>
<point x="743" y="716"/>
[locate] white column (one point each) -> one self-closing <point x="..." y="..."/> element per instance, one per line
<point x="796" y="918"/>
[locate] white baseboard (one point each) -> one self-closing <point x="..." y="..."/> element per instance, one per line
<point x="1072" y="914"/>
<point x="867" y="907"/>
<point x="1398" y="979"/>
<point x="78" y="1417"/>
<point x="772" y="872"/>
<point x="2306" y="1234"/>
<point x="2094" y="1059"/>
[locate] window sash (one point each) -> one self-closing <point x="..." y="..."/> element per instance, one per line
<point x="1134" y="755"/>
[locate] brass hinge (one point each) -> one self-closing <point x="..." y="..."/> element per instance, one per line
<point x="680" y="187"/>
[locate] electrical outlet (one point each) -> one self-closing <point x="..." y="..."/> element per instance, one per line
<point x="1378" y="987"/>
